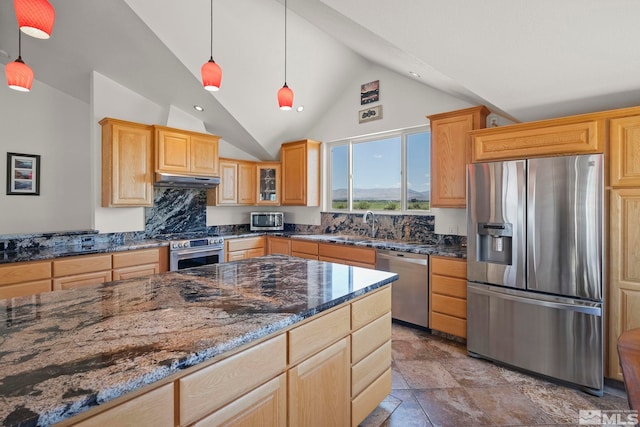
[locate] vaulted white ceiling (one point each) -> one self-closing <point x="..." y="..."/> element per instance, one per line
<point x="524" y="59"/>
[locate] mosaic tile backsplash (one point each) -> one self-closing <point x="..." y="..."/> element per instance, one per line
<point x="183" y="211"/>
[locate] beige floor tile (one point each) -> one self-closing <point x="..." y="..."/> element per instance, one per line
<point x="451" y="407"/>
<point x="471" y="372"/>
<point x="506" y="405"/>
<point x="425" y="374"/>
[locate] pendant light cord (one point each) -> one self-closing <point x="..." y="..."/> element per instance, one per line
<point x="211" y="29"/>
<point x="285" y="42"/>
<point x="19" y="45"/>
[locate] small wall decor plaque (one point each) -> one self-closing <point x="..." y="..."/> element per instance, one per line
<point x="370" y="92"/>
<point x="23" y="174"/>
<point x="369" y="114"/>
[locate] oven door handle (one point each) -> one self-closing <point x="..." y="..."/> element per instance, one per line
<point x="195" y="251"/>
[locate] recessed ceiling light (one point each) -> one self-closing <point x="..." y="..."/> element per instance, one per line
<point x="300" y="108"/>
<point x="414" y="74"/>
<point x="198" y="108"/>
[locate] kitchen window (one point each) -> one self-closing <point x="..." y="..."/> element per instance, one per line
<point x="387" y="173"/>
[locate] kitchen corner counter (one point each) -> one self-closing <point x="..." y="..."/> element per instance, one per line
<point x="62" y="353"/>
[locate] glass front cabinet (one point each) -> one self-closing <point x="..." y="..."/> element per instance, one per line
<point x="268" y="176"/>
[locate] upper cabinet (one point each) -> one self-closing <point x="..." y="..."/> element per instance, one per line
<point x="625" y="152"/>
<point x="450" y="154"/>
<point x="237" y="184"/>
<point x="300" y="162"/>
<point x="127" y="169"/>
<point x="268" y="183"/>
<point x="184" y="152"/>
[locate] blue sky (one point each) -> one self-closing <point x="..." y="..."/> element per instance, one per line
<point x="377" y="164"/>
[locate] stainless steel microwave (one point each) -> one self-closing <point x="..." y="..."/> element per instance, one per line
<point x="266" y="221"/>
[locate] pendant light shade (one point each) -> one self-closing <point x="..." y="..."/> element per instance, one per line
<point x="210" y="71"/>
<point x="19" y="75"/>
<point x="285" y="94"/>
<point x="285" y="97"/>
<point x="35" y="17"/>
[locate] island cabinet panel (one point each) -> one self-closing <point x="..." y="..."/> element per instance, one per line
<point x="209" y="389"/>
<point x="363" y="404"/>
<point x="448" y="295"/>
<point x="127" y="164"/>
<point x="368" y="309"/>
<point x="278" y="245"/>
<point x="624" y="270"/>
<point x="539" y="139"/>
<point x="302" y="249"/>
<point x="342" y="254"/>
<point x="264" y="406"/>
<point x="371" y="336"/>
<point x="370" y="368"/>
<point x="320" y="388"/>
<point x="625" y="152"/>
<point x="311" y="337"/>
<point x="450" y="154"/>
<point x="155" y="408"/>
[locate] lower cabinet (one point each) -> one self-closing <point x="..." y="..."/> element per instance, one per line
<point x="448" y="295"/>
<point x="332" y="370"/>
<point x="83" y="270"/>
<point x="304" y="249"/>
<point x="343" y="254"/>
<point x="243" y="248"/>
<point x="278" y="245"/>
<point x="140" y="263"/>
<point x="24" y="278"/>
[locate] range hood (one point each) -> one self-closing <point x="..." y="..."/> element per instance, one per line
<point x="186" y="181"/>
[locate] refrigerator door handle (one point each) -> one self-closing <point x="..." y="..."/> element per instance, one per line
<point x="580" y="308"/>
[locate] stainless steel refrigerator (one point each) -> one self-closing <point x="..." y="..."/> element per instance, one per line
<point x="534" y="266"/>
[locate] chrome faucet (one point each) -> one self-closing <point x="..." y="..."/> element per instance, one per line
<point x="370" y="219"/>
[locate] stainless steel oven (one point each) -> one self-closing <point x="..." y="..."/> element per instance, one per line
<point x="195" y="252"/>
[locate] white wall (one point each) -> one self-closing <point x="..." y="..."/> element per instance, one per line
<point x="406" y="103"/>
<point x="54" y="125"/>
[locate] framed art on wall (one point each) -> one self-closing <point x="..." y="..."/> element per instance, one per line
<point x="23" y="174"/>
<point x="370" y="92"/>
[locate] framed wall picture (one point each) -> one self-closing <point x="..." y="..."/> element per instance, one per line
<point x="370" y="92"/>
<point x="23" y="174"/>
<point x="370" y="114"/>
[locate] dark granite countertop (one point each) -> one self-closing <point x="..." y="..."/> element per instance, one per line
<point x="454" y="251"/>
<point x="63" y="352"/>
<point x="41" y="254"/>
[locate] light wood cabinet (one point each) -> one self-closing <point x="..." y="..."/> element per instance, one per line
<point x="343" y="254"/>
<point x="304" y="249"/>
<point x="237" y="184"/>
<point x="244" y="247"/>
<point x="24" y="278"/>
<point x="127" y="164"/>
<point x="268" y="183"/>
<point x="319" y="388"/>
<point x="278" y="245"/>
<point x="82" y="270"/>
<point x="448" y="295"/>
<point x="300" y="173"/>
<point x="183" y="152"/>
<point x="624" y="270"/>
<point x="625" y="152"/>
<point x="450" y="154"/>
<point x="140" y="263"/>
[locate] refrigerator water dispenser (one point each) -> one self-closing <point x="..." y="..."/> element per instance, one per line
<point x="495" y="243"/>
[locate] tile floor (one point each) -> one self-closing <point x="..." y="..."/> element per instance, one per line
<point x="435" y="383"/>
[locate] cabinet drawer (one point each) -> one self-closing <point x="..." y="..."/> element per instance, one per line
<point x="24" y="272"/>
<point x="154" y="408"/>
<point x="245" y="243"/>
<point x="448" y="305"/>
<point x="347" y="262"/>
<point x="304" y="247"/>
<point x="371" y="307"/>
<point x="370" y="337"/>
<point x="307" y="339"/>
<point x="81" y="264"/>
<point x="252" y="253"/>
<point x="139" y="257"/>
<point x="348" y="253"/>
<point x="210" y="388"/>
<point x="22" y="289"/>
<point x="371" y="367"/>
<point x="266" y="405"/>
<point x="449" y="286"/>
<point x="304" y="255"/>
<point x="453" y="267"/>
<point x="370" y="398"/>
<point x="136" y="271"/>
<point x="79" y="280"/>
<point x="449" y="324"/>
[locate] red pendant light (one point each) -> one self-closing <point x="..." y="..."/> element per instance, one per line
<point x="285" y="94"/>
<point x="35" y="17"/>
<point x="211" y="72"/>
<point x="19" y="75"/>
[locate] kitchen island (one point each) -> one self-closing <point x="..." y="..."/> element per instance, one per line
<point x="173" y="339"/>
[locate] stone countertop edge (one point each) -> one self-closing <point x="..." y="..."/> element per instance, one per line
<point x="90" y="345"/>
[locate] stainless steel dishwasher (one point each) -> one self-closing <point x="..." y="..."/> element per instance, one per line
<point x="410" y="293"/>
